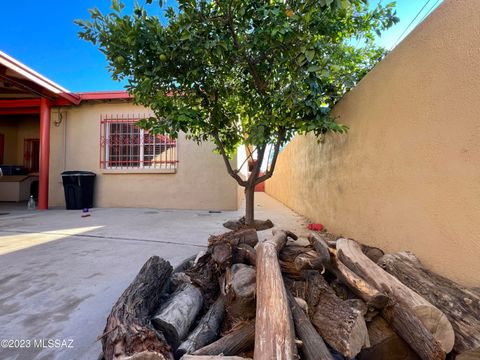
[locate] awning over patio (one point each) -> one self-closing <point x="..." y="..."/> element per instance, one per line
<point x="24" y="91"/>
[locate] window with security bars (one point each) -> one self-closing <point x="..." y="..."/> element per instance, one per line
<point x="123" y="145"/>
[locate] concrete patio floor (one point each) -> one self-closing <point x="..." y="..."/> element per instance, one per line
<point x="60" y="273"/>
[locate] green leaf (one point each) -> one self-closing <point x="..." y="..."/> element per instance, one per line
<point x="309" y="54"/>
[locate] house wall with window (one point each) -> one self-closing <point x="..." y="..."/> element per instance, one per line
<point x="135" y="169"/>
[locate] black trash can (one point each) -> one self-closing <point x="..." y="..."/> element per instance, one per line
<point x="78" y="187"/>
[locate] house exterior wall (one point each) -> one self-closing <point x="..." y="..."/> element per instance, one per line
<point x="8" y="128"/>
<point x="28" y="128"/>
<point x="200" y="182"/>
<point x="407" y="175"/>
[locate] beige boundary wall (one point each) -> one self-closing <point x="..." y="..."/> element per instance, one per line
<point x="200" y="182"/>
<point x="407" y="175"/>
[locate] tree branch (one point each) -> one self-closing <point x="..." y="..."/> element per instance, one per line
<point x="233" y="173"/>
<point x="258" y="82"/>
<point x="269" y="173"/>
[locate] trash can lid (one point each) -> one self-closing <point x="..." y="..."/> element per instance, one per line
<point x="78" y="173"/>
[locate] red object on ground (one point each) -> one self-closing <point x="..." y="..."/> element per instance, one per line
<point x="315" y="227"/>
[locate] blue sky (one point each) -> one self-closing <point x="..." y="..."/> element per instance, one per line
<point x="42" y="35"/>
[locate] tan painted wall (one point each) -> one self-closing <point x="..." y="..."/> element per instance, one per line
<point x="8" y="127"/>
<point x="201" y="180"/>
<point x="17" y="128"/>
<point x="407" y="175"/>
<point x="28" y="128"/>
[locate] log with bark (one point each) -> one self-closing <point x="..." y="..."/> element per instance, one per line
<point x="341" y="326"/>
<point x="432" y="318"/>
<point x="408" y="325"/>
<point x="385" y="343"/>
<point x="355" y="283"/>
<point x="206" y="331"/>
<point x="313" y="347"/>
<point x="458" y="303"/>
<point x="274" y="331"/>
<point x="239" y="340"/>
<point x="177" y="315"/>
<point x="240" y="288"/>
<point x="215" y="357"/>
<point x="128" y="330"/>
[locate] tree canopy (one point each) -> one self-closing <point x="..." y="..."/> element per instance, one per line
<point x="241" y="71"/>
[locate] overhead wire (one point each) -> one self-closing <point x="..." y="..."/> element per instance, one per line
<point x="410" y="24"/>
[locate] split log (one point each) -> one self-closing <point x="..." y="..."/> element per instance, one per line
<point x="341" y="326"/>
<point x="350" y="253"/>
<point x="240" y="291"/>
<point x="206" y="331"/>
<point x="313" y="347"/>
<point x="208" y="357"/>
<point x="128" y="330"/>
<point x="240" y="339"/>
<point x="177" y="315"/>
<point x="355" y="283"/>
<point x="459" y="304"/>
<point x="274" y="331"/>
<point x="385" y="344"/>
<point x="407" y="324"/>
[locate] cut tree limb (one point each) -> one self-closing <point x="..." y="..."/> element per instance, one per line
<point x="410" y="328"/>
<point x="177" y="315"/>
<point x="240" y="291"/>
<point x="274" y="331"/>
<point x="385" y="343"/>
<point x="459" y="304"/>
<point x="128" y="330"/>
<point x="237" y="341"/>
<point x="313" y="347"/>
<point x="341" y="326"/>
<point x="208" y="357"/>
<point x="355" y="283"/>
<point x="350" y="253"/>
<point x="207" y="329"/>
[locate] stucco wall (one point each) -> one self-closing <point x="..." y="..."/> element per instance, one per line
<point x="8" y="128"/>
<point x="201" y="180"/>
<point x="16" y="129"/>
<point x="407" y="175"/>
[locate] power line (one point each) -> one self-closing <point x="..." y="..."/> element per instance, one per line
<point x="410" y="24"/>
<point x="430" y="10"/>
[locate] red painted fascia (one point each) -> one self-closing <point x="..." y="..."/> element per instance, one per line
<point x="104" y="95"/>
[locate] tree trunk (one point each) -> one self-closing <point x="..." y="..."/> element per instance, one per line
<point x="350" y="253"/>
<point x="237" y="341"/>
<point x="207" y="329"/>
<point x="459" y="304"/>
<point x="313" y="347"/>
<point x="341" y="326"/>
<point x="177" y="315"/>
<point x="274" y="332"/>
<point x="249" y="204"/>
<point x="128" y="330"/>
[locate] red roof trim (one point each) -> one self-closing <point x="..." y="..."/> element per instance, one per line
<point x="104" y="95"/>
<point x="37" y="78"/>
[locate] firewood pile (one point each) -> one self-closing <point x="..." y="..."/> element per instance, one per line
<point x="315" y="297"/>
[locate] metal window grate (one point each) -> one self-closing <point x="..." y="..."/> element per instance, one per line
<point x="123" y="145"/>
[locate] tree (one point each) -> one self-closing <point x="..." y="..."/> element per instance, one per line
<point x="241" y="71"/>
